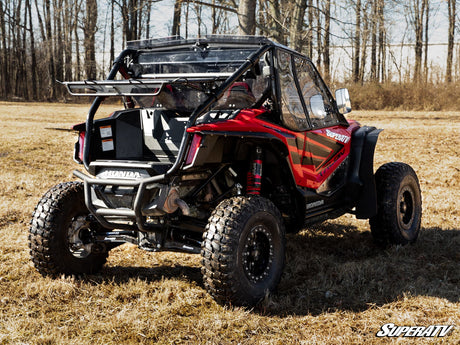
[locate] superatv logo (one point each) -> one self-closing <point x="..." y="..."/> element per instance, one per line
<point x="391" y="330"/>
<point x="339" y="137"/>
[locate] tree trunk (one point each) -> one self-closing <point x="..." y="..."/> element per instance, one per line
<point x="77" y="45"/>
<point x="327" y="41"/>
<point x="364" y="42"/>
<point x="68" y="24"/>
<point x="381" y="64"/>
<point x="418" y="13"/>
<point x="319" y="41"/>
<point x="147" y="18"/>
<point x="451" y="8"/>
<point x="357" y="43"/>
<point x="90" y="32"/>
<point x="112" y="34"/>
<point x="49" y="43"/>
<point x="427" y="18"/>
<point x="374" y="41"/>
<point x="33" y="67"/>
<point x="59" y="41"/>
<point x="275" y="30"/>
<point x="296" y="27"/>
<point x="176" y="18"/>
<point x="310" y="28"/>
<point x="4" y="76"/>
<point x="247" y="17"/>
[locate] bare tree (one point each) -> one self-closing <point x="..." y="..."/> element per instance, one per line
<point x="327" y="40"/>
<point x="382" y="41"/>
<point x="247" y="17"/>
<point x="175" y="31"/>
<point x="417" y="10"/>
<point x="296" y="27"/>
<point x="4" y="55"/>
<point x="357" y="42"/>
<point x="89" y="30"/>
<point x="452" y="14"/>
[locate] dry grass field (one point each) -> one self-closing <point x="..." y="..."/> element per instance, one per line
<point x="338" y="288"/>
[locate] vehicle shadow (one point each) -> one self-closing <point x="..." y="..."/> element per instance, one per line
<point x="338" y="268"/>
<point x="123" y="274"/>
<point x="334" y="267"/>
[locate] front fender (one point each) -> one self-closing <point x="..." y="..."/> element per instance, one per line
<point x="362" y="188"/>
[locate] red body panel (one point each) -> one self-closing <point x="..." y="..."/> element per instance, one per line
<point x="313" y="155"/>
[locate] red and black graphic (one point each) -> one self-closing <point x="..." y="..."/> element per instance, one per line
<point x="320" y="150"/>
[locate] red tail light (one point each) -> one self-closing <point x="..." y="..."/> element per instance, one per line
<point x="194" y="146"/>
<point x="81" y="144"/>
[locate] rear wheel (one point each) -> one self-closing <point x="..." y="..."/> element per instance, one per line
<point x="243" y="250"/>
<point x="61" y="237"/>
<point x="399" y="205"/>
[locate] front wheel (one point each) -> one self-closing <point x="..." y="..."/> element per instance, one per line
<point x="61" y="237"/>
<point x="399" y="205"/>
<point x="243" y="250"/>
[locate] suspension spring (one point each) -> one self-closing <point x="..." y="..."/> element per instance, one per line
<point x="254" y="177"/>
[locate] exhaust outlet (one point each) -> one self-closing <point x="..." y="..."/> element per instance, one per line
<point x="183" y="206"/>
<point x="173" y="202"/>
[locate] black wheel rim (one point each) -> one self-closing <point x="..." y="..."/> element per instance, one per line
<point x="258" y="254"/>
<point x="79" y="237"/>
<point x="406" y="209"/>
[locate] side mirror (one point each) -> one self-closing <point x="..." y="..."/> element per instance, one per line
<point x="266" y="72"/>
<point x="342" y="97"/>
<point x="317" y="106"/>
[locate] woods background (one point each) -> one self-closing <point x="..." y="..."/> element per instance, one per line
<point x="392" y="54"/>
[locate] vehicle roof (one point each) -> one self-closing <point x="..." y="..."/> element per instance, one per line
<point x="215" y="40"/>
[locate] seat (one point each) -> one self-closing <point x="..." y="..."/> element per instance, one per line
<point x="239" y="96"/>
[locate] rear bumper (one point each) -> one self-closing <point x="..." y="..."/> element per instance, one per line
<point x="133" y="214"/>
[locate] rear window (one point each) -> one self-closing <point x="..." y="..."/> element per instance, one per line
<point x="196" y="60"/>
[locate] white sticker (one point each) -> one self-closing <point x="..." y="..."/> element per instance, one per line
<point x="107" y="145"/>
<point x="106" y="131"/>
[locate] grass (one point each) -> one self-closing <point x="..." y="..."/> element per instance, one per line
<point x="338" y="288"/>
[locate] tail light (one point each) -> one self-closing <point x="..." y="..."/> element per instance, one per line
<point x="79" y="145"/>
<point x="194" y="146"/>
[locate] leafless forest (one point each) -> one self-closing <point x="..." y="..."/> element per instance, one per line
<point x="47" y="40"/>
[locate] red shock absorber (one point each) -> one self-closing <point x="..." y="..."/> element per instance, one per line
<point x="254" y="177"/>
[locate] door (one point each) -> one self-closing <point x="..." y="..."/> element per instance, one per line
<point x="321" y="141"/>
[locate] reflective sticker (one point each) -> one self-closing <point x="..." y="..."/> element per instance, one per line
<point x="107" y="145"/>
<point x="106" y="131"/>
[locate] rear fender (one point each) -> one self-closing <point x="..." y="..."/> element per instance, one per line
<point x="362" y="190"/>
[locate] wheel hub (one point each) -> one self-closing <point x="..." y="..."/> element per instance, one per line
<point x="79" y="237"/>
<point x="406" y="210"/>
<point x="258" y="254"/>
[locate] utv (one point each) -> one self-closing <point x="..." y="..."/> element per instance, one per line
<point x="223" y="145"/>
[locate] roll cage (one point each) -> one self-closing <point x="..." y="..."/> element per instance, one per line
<point x="152" y="84"/>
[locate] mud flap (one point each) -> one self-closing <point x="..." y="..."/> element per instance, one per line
<point x="362" y="182"/>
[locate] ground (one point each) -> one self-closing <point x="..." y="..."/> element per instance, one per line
<point x="338" y="288"/>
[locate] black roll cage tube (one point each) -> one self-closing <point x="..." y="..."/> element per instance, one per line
<point x="251" y="60"/>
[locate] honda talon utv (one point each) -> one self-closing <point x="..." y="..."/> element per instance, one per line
<point x="223" y="145"/>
